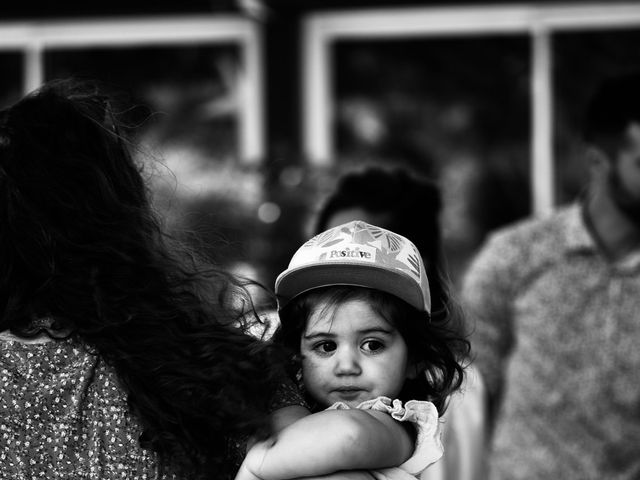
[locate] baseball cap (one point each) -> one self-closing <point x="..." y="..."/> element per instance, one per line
<point x="357" y="254"/>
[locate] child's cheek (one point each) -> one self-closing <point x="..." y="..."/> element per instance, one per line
<point x="314" y="373"/>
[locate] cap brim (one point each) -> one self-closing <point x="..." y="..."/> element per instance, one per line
<point x="294" y="282"/>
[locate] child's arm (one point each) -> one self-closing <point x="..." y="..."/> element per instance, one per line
<point x="345" y="475"/>
<point x="285" y="416"/>
<point x="327" y="442"/>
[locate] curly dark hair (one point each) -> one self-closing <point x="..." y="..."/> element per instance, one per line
<point x="434" y="346"/>
<point x="80" y="244"/>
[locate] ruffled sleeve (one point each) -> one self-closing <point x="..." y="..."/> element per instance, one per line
<point x="423" y="415"/>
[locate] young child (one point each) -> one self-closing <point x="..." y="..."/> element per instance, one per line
<point x="375" y="363"/>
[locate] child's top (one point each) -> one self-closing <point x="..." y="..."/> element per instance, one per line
<point x="428" y="445"/>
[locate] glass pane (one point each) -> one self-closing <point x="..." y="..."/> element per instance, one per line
<point x="11" y="66"/>
<point x="454" y="109"/>
<point x="581" y="61"/>
<point x="186" y="104"/>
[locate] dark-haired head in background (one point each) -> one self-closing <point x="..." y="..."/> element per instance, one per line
<point x="398" y="201"/>
<point x="612" y="127"/>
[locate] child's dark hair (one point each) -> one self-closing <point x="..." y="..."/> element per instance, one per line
<point x="433" y="344"/>
<point x="80" y="244"/>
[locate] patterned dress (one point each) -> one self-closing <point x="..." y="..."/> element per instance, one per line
<point x="64" y="415"/>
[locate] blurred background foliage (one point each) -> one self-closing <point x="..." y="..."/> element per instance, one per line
<point x="456" y="109"/>
<point x="448" y="108"/>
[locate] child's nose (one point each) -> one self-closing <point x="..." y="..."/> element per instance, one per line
<point x="347" y="362"/>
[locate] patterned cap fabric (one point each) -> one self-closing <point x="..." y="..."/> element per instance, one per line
<point x="357" y="254"/>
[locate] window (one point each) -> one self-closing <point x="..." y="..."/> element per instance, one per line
<point x="196" y="83"/>
<point x="483" y="98"/>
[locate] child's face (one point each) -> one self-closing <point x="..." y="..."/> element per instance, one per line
<point x="351" y="354"/>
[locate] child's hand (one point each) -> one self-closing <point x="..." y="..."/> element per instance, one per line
<point x="245" y="474"/>
<point x="254" y="460"/>
<point x="344" y="475"/>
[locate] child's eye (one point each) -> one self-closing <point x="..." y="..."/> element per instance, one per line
<point x="372" y="346"/>
<point x="325" y="347"/>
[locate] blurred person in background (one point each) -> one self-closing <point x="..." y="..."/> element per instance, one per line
<point x="122" y="355"/>
<point x="397" y="200"/>
<point x="556" y="304"/>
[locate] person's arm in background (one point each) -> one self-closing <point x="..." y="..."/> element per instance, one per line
<point x="464" y="433"/>
<point x="487" y="296"/>
<point x="328" y="442"/>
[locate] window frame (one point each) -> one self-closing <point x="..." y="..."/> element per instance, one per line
<point x="321" y="30"/>
<point x="34" y="38"/>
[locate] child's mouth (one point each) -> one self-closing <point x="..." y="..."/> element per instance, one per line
<point x="349" y="393"/>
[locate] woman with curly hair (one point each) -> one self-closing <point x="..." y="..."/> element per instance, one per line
<point x="121" y="354"/>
